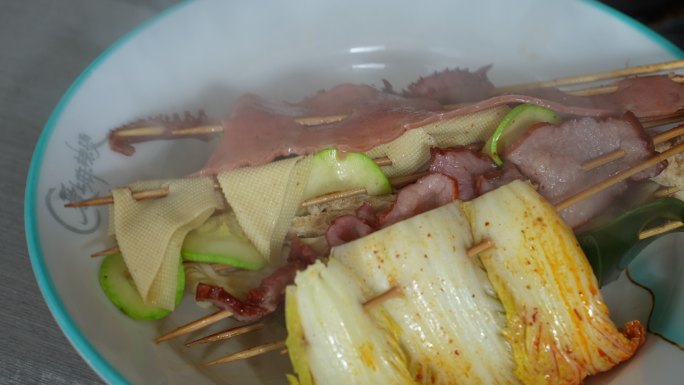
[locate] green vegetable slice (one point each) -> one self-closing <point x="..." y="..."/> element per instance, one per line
<point x="221" y="240"/>
<point x="514" y="124"/>
<point x="611" y="247"/>
<point x="332" y="170"/>
<point x="118" y="286"/>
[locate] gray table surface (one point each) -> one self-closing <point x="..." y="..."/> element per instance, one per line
<point x="44" y="45"/>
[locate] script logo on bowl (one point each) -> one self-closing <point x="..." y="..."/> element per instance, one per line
<point x="84" y="184"/>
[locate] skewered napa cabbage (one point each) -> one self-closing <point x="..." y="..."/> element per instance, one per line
<point x="527" y="311"/>
<point x="558" y="324"/>
<point x="449" y="319"/>
<point x="330" y="334"/>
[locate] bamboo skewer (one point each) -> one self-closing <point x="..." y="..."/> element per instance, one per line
<point x="662" y="120"/>
<point x="164" y="191"/>
<point x="612" y="88"/>
<point x="195" y="325"/>
<point x="249" y="353"/>
<point x="598" y="76"/>
<point x="605" y="159"/>
<point x="620" y="177"/>
<point x="227" y="334"/>
<point x="617" y="154"/>
<point x="106" y="252"/>
<point x="669" y="134"/>
<point x="660" y="229"/>
<point x="666" y="192"/>
<point x="209" y="129"/>
<point x="269" y="347"/>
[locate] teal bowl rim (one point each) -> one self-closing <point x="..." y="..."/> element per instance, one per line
<point x="99" y="364"/>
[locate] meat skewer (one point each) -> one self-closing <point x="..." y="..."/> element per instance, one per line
<point x="383" y="161"/>
<point x="162" y="192"/>
<point x="216" y="129"/>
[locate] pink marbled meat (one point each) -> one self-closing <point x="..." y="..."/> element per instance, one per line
<point x="463" y="165"/>
<point x="552" y="156"/>
<point x="427" y="193"/>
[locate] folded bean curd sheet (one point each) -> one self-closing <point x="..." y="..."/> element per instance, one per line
<point x="150" y="233"/>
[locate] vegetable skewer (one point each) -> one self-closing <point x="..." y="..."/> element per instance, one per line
<point x="473" y="251"/>
<point x="362" y="258"/>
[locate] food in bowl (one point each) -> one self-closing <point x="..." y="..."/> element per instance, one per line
<point x="412" y="132"/>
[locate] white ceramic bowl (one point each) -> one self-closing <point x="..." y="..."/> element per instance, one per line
<point x="202" y="54"/>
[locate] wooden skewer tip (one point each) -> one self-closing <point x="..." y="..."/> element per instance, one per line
<point x="195" y="325"/>
<point x="660" y="229"/>
<point x="227" y="334"/>
<point x="249" y="353"/>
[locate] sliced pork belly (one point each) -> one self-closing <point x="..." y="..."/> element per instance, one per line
<point x="494" y="179"/>
<point x="649" y="96"/>
<point x="552" y="157"/>
<point x="429" y="192"/>
<point x="264" y="299"/>
<point x="345" y="229"/>
<point x="463" y="165"/>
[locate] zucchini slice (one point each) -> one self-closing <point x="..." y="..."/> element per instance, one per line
<point x="221" y="240"/>
<point x="514" y="124"/>
<point x="118" y="286"/>
<point x="332" y="170"/>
